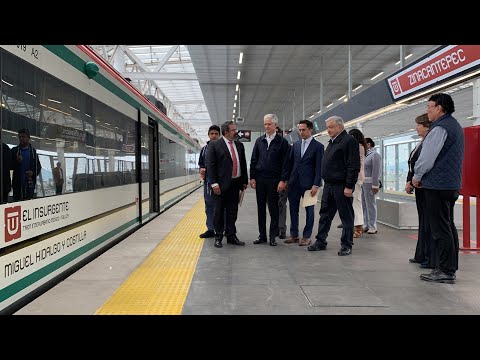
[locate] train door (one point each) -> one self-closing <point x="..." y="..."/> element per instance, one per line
<point x="153" y="166"/>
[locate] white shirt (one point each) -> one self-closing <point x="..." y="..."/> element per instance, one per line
<point x="270" y="138"/>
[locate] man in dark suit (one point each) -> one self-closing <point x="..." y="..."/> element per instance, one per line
<point x="305" y="174"/>
<point x="268" y="176"/>
<point x="227" y="170"/>
<point x="340" y="168"/>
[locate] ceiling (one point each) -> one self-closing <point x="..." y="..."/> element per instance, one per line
<point x="198" y="82"/>
<point x="285" y="79"/>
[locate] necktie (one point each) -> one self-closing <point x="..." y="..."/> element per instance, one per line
<point x="234" y="158"/>
<point x="303" y="147"/>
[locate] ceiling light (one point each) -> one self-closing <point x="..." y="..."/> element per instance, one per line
<point x="71" y="107"/>
<point x="236" y="89"/>
<point x="234" y="111"/>
<point x="319" y="111"/>
<point x="312" y="116"/>
<point x="238" y="75"/>
<point x="56" y="101"/>
<point x="406" y="57"/>
<point x="346" y="99"/>
<point x="6" y="83"/>
<point x="234" y="104"/>
<point x="241" y="58"/>
<point x="342" y="97"/>
<point x="358" y="87"/>
<point x="329" y="105"/>
<point x="373" y="78"/>
<point x="26" y="92"/>
<point x="236" y="97"/>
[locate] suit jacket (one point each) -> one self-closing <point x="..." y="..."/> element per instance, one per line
<point x="220" y="163"/>
<point x="306" y="171"/>
<point x="412" y="159"/>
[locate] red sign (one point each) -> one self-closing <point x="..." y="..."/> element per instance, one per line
<point x="437" y="67"/>
<point x="13" y="225"/>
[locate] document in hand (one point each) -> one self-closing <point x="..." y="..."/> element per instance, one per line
<point x="308" y="199"/>
<point x="240" y="198"/>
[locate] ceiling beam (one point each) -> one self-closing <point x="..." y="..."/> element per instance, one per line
<point x="165" y="58"/>
<point x="160" y="76"/>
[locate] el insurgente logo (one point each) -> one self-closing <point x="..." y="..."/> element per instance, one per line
<point x="13" y="223"/>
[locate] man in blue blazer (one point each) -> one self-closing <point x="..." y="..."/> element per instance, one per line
<point x="305" y="174"/>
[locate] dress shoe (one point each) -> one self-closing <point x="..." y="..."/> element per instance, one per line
<point x="291" y="240"/>
<point x="317" y="245"/>
<point x="305" y="242"/>
<point x="218" y="243"/>
<point x="282" y="236"/>
<point x="424" y="265"/>
<point x="340" y="226"/>
<point x="259" y="240"/>
<point x="412" y="260"/>
<point x="344" y="251"/>
<point x="273" y="242"/>
<point x="235" y="241"/>
<point x="439" y="276"/>
<point x="207" y="234"/>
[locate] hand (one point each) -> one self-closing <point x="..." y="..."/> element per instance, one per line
<point x="281" y="186"/>
<point x="375" y="190"/>
<point x="416" y="183"/>
<point x="253" y="183"/>
<point x="19" y="158"/>
<point x="216" y="190"/>
<point x="408" y="187"/>
<point x="244" y="187"/>
<point x="348" y="192"/>
<point x="314" y="190"/>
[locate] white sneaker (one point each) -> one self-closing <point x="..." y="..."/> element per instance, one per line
<point x="372" y="231"/>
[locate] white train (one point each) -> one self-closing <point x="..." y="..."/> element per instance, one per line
<point x="122" y="162"/>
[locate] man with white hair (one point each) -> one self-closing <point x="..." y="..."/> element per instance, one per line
<point x="340" y="168"/>
<point x="269" y="176"/>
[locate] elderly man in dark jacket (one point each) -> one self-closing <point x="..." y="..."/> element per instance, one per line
<point x="340" y="168"/>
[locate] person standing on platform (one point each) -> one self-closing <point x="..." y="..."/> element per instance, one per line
<point x="26" y="167"/>
<point x="425" y="251"/>
<point x="357" y="194"/>
<point x="282" y="205"/>
<point x="370" y="187"/>
<point x="340" y="167"/>
<point x="306" y="174"/>
<point x="438" y="171"/>
<point x="268" y="176"/>
<point x="213" y="134"/>
<point x="58" y="178"/>
<point x="227" y="170"/>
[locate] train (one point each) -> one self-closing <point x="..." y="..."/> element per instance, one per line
<point x="122" y="161"/>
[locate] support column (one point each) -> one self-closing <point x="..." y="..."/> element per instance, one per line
<point x="476" y="101"/>
<point x="111" y="160"/>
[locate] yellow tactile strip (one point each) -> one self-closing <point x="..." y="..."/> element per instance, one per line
<point x="159" y="286"/>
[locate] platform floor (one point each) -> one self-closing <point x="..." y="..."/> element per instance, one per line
<point x="257" y="279"/>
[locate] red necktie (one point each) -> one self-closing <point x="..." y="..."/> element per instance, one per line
<point x="234" y="157"/>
